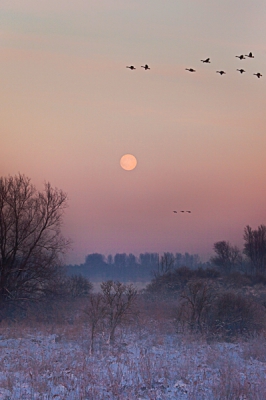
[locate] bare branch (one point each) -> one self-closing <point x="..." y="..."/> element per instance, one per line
<point x="31" y="243"/>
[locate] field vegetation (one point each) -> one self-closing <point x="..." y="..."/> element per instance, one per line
<point x="195" y="332"/>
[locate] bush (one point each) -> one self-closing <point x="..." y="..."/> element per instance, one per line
<point x="233" y="315"/>
<point x="238" y="280"/>
<point x="172" y="282"/>
<point x="78" y="286"/>
<point x="257" y="279"/>
<point x="208" y="273"/>
<point x="195" y="301"/>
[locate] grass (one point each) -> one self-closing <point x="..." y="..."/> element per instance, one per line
<point x="147" y="361"/>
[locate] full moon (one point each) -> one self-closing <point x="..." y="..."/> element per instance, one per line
<point x="128" y="162"/>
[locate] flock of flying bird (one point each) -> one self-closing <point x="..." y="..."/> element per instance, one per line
<point x="208" y="61"/>
<point x="143" y="66"/>
<point x="241" y="70"/>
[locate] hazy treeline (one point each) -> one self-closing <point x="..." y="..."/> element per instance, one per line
<point x="250" y="260"/>
<point x="227" y="258"/>
<point x="128" y="267"/>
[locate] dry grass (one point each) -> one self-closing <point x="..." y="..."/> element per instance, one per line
<point x="148" y="361"/>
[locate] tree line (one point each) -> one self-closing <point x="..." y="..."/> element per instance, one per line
<point x="251" y="259"/>
<point x="32" y="248"/>
<point x="228" y="258"/>
<point x="128" y="267"/>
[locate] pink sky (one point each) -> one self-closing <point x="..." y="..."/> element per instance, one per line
<point x="70" y="109"/>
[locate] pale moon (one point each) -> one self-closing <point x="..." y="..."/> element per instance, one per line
<point x="128" y="162"/>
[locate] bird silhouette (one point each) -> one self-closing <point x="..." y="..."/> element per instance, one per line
<point x="145" y="67"/>
<point x="221" y="72"/>
<point x="182" y="211"/>
<point x="249" y="55"/>
<point x="188" y="212"/>
<point x="131" y="67"/>
<point x="175" y="212"/>
<point x="241" y="70"/>
<point x="190" y="69"/>
<point x="242" y="57"/>
<point x="258" y="74"/>
<point x="206" y="61"/>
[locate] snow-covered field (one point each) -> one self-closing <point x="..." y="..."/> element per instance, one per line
<point x="146" y="362"/>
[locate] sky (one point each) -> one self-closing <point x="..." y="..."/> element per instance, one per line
<point x="70" y="109"/>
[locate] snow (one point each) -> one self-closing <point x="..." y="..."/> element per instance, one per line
<point x="155" y="365"/>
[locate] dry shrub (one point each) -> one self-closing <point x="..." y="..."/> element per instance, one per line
<point x="225" y="315"/>
<point x="255" y="348"/>
<point x="237" y="279"/>
<point x="182" y="316"/>
<point x="258" y="279"/>
<point x="168" y="285"/>
<point x="195" y="301"/>
<point x="234" y="315"/>
<point x="232" y="386"/>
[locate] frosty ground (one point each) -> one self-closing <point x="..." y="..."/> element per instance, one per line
<point x="148" y="361"/>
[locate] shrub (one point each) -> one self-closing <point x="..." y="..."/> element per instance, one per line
<point x="78" y="286"/>
<point x="233" y="315"/>
<point x="238" y="280"/>
<point x="195" y="301"/>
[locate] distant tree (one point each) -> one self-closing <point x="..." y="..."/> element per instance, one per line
<point x="119" y="300"/>
<point x="178" y="260"/>
<point x="255" y="248"/>
<point x="78" y="286"/>
<point x="31" y="243"/>
<point x="166" y="264"/>
<point x="120" y="260"/>
<point x="228" y="257"/>
<point x="95" y="260"/>
<point x="131" y="261"/>
<point x="96" y="311"/>
<point x="148" y="260"/>
<point x="110" y="259"/>
<point x="187" y="260"/>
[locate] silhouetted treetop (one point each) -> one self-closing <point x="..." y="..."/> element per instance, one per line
<point x="31" y="243"/>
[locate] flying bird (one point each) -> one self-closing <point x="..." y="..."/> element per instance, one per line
<point x="241" y="57"/>
<point x="175" y="212"/>
<point x="190" y="69"/>
<point x="131" y="67"/>
<point x="188" y="212"/>
<point x="206" y="61"/>
<point x="221" y="72"/>
<point x="182" y="211"/>
<point x="145" y="67"/>
<point x="258" y="74"/>
<point x="241" y="70"/>
<point x="249" y="55"/>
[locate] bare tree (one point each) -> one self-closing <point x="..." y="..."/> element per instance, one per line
<point x="228" y="257"/>
<point x="96" y="312"/>
<point x="166" y="263"/>
<point x="255" y="248"/>
<point x="119" y="300"/>
<point x="197" y="297"/>
<point x="78" y="286"/>
<point x="31" y="243"/>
